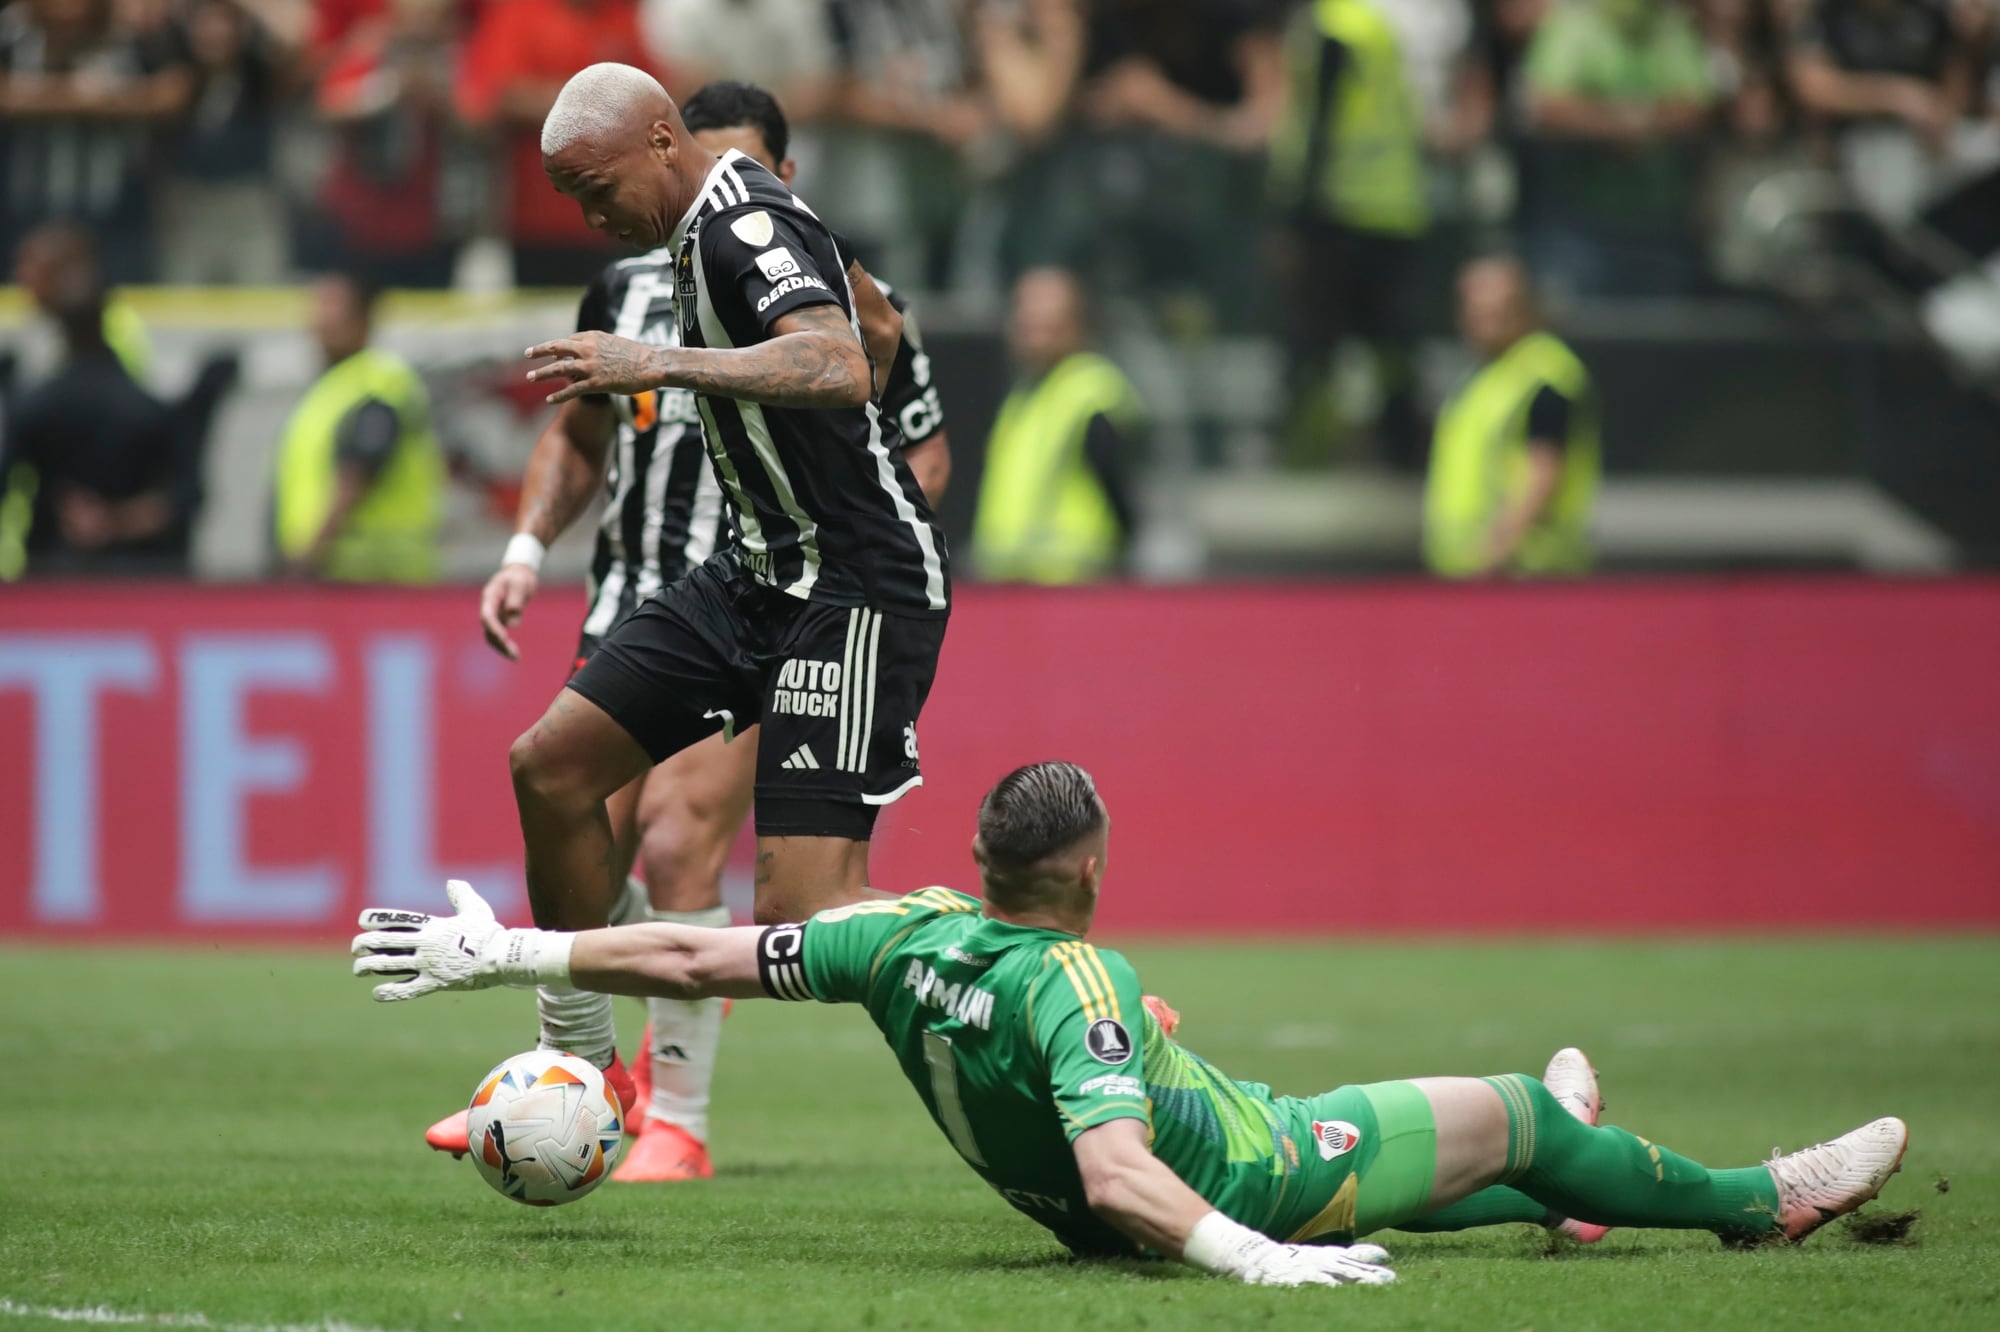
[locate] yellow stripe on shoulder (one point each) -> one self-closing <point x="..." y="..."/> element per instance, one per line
<point x="1094" y="965"/>
<point x="1083" y="996"/>
<point x="1087" y="991"/>
<point x="939" y="899"/>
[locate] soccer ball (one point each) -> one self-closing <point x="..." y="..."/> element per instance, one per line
<point x="544" y="1128"/>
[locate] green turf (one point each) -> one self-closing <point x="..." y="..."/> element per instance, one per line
<point x="237" y="1136"/>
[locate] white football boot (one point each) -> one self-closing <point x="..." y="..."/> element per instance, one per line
<point x="1831" y="1179"/>
<point x="1573" y="1082"/>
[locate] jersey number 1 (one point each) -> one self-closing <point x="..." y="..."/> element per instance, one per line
<point x="944" y="1090"/>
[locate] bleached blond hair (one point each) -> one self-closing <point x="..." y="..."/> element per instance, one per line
<point x="595" y="101"/>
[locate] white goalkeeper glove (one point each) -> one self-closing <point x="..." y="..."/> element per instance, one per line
<point x="1225" y="1248"/>
<point x="468" y="951"/>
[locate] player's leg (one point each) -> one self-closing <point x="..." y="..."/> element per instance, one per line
<point x="800" y="873"/>
<point x="665" y="678"/>
<point x="1573" y="1082"/>
<point x="1511" y="1130"/>
<point x="565" y="767"/>
<point x="622" y="808"/>
<point x="689" y="813"/>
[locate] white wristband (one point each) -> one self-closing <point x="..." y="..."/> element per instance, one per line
<point x="524" y="548"/>
<point x="535" y="957"/>
<point x="1219" y="1245"/>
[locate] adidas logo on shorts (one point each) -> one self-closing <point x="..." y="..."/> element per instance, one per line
<point x="802" y="757"/>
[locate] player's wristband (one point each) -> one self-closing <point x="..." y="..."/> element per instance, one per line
<point x="534" y="957"/>
<point x="524" y="548"/>
<point x="1219" y="1245"/>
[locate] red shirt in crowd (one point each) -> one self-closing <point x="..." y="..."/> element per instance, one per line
<point x="530" y="48"/>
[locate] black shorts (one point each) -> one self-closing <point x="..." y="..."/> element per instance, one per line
<point x="836" y="689"/>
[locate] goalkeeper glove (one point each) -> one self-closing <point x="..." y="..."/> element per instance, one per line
<point x="1225" y="1248"/>
<point x="468" y="951"/>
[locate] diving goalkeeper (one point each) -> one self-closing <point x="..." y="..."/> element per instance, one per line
<point x="1034" y="1054"/>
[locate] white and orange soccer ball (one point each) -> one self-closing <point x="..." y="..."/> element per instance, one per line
<point x="544" y="1128"/>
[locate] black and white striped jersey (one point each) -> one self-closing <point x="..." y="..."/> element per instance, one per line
<point x="664" y="511"/>
<point x="823" y="504"/>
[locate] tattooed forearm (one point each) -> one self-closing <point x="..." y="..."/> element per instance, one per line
<point x="815" y="361"/>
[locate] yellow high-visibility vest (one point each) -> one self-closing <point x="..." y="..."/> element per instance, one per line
<point x="390" y="535"/>
<point x="125" y="333"/>
<point x="1374" y="178"/>
<point x="1479" y="460"/>
<point x="1042" y="516"/>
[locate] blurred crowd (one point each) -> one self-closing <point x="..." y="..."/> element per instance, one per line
<point x="1144" y="142"/>
<point x="1312" y="174"/>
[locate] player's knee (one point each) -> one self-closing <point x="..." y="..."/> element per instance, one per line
<point x="682" y="858"/>
<point x="542" y="773"/>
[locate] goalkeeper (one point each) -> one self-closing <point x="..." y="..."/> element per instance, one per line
<point x="1035" y="1055"/>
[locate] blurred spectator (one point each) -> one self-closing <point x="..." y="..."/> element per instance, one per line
<point x="49" y="262"/>
<point x="1347" y="173"/>
<point x="1054" y="502"/>
<point x="520" y="55"/>
<point x="1895" y="78"/>
<point x="1030" y="59"/>
<point x="81" y="89"/>
<point x="902" y="116"/>
<point x="386" y="94"/>
<point x="1514" y="466"/>
<point x="360" y="477"/>
<point x="782" y="45"/>
<point x="1146" y="188"/>
<point x="222" y="219"/>
<point x="1454" y="98"/>
<point x="1743" y="67"/>
<point x="1502" y="31"/>
<point x="1619" y="95"/>
<point x="96" y="475"/>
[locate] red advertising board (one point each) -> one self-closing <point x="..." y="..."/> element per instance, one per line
<point x="1765" y="754"/>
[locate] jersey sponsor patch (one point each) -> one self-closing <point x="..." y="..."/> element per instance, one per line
<point x="1108" y="1041"/>
<point x="777" y="262"/>
<point x="754" y="228"/>
<point x="781" y="962"/>
<point x="797" y="282"/>
<point x="1336" y="1137"/>
<point x="1113" y="1084"/>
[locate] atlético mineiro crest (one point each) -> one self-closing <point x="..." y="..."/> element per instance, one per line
<point x="1336" y="1137"/>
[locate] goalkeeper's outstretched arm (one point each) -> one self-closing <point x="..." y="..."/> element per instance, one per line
<point x="660" y="960"/>
<point x="415" y="954"/>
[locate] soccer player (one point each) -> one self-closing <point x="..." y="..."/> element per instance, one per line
<point x="1032" y="1052"/>
<point x="663" y="516"/>
<point x="822" y="617"/>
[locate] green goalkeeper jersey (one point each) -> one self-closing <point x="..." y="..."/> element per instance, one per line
<point x="1019" y="1039"/>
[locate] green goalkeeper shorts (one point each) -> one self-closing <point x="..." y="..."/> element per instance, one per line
<point x="1368" y="1154"/>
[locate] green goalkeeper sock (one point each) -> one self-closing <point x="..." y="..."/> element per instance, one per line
<point x="1614" y="1178"/>
<point x="1489" y="1207"/>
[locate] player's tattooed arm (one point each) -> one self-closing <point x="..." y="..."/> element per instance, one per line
<point x="814" y="360"/>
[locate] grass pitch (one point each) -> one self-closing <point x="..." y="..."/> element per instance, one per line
<point x="235" y="1138"/>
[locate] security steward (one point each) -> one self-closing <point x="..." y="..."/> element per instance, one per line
<point x="1515" y="460"/>
<point x="1055" y="504"/>
<point x="360" y="478"/>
